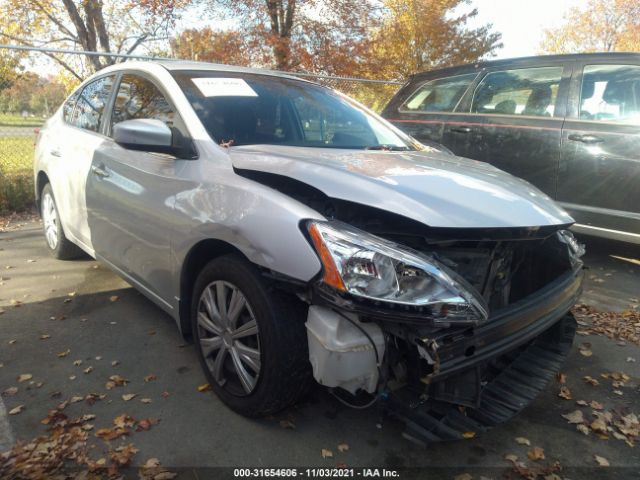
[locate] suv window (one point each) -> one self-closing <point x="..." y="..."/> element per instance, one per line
<point x="140" y="98"/>
<point x="91" y="103"/>
<point x="67" y="109"/>
<point x="525" y="91"/>
<point x="610" y="93"/>
<point x="440" y="95"/>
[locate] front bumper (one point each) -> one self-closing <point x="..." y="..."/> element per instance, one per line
<point x="509" y="328"/>
<point x="523" y="345"/>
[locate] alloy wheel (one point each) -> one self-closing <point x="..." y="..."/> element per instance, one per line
<point x="228" y="337"/>
<point x="50" y="220"/>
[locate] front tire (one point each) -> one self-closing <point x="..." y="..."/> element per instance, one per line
<point x="250" y="339"/>
<point x="57" y="243"/>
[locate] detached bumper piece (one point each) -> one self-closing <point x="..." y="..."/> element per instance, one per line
<point x="523" y="374"/>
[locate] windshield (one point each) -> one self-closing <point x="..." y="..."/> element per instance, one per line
<point x="247" y="109"/>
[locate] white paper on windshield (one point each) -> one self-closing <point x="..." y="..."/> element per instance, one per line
<point x="224" y="87"/>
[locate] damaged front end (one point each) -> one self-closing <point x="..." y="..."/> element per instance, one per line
<point x="450" y="330"/>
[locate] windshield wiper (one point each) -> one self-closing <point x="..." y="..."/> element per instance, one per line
<point x="387" y="148"/>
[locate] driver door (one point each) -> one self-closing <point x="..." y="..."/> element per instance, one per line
<point x="130" y="194"/>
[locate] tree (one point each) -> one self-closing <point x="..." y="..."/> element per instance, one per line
<point x="418" y="35"/>
<point x="313" y="35"/>
<point x="206" y="45"/>
<point x="599" y="26"/>
<point x="119" y="26"/>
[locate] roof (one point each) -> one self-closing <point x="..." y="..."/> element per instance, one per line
<point x="526" y="60"/>
<point x="174" y="65"/>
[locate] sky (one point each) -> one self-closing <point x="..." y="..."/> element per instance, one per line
<point x="522" y="22"/>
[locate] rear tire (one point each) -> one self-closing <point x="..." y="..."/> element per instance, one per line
<point x="250" y="339"/>
<point x="57" y="243"/>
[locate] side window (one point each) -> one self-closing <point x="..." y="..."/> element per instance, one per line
<point x="525" y="91"/>
<point x="610" y="93"/>
<point x="140" y="98"/>
<point x="441" y="95"/>
<point x="91" y="103"/>
<point x="67" y="109"/>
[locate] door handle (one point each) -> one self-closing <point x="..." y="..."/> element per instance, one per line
<point x="460" y="130"/>
<point x="100" y="172"/>
<point x="55" y="153"/>
<point x="576" y="137"/>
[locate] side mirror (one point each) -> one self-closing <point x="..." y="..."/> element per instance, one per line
<point x="149" y="135"/>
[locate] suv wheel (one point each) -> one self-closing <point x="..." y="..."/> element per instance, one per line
<point x="251" y="340"/>
<point x="57" y="242"/>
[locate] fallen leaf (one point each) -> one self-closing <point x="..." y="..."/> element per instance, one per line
<point x="288" y="424"/>
<point x="16" y="410"/>
<point x="88" y="370"/>
<point x="523" y="441"/>
<point x="565" y="393"/>
<point x="343" y="447"/>
<point x="114" y="363"/>
<point x="151" y="463"/>
<point x="113" y="298"/>
<point x="511" y="457"/>
<point x="583" y="429"/>
<point x="463" y="476"/>
<point x="165" y="394"/>
<point x="599" y="426"/>
<point x="64" y="354"/>
<point x="12" y="342"/>
<point x="601" y="461"/>
<point x="128" y="396"/>
<point x="45" y="336"/>
<point x="562" y="378"/>
<point x="9" y="392"/>
<point x="204" y="387"/>
<point x="574" y="417"/>
<point x="596" y="405"/>
<point x="24" y="377"/>
<point x="469" y="434"/>
<point x="76" y="399"/>
<point x="77" y="363"/>
<point x="327" y="453"/>
<point x="145" y="400"/>
<point x="535" y="454"/>
<point x="592" y="381"/>
<point x="586" y="353"/>
<point x="150" y="378"/>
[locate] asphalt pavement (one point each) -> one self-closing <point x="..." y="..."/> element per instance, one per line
<point x="73" y="324"/>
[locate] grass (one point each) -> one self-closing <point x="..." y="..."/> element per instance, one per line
<point x="16" y="175"/>
<point x="15" y="120"/>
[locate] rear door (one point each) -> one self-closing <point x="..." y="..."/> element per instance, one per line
<point x="72" y="150"/>
<point x="514" y="121"/>
<point x="422" y="107"/>
<point x="600" y="174"/>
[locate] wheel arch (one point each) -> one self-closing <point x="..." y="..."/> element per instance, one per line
<point x="41" y="180"/>
<point x="196" y="259"/>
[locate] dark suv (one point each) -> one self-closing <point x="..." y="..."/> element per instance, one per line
<point x="569" y="124"/>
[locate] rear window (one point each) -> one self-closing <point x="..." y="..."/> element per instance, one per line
<point x="440" y="95"/>
<point x="610" y="93"/>
<point x="524" y="91"/>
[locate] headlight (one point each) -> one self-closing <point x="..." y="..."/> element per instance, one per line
<point x="367" y="266"/>
<point x="575" y="248"/>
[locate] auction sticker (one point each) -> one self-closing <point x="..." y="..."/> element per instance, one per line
<point x="224" y="87"/>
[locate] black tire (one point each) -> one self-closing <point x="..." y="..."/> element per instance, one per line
<point x="285" y="372"/>
<point x="63" y="249"/>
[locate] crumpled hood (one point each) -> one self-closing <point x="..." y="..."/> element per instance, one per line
<point x="436" y="189"/>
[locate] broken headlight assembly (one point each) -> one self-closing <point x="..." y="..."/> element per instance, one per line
<point x="576" y="249"/>
<point x="369" y="267"/>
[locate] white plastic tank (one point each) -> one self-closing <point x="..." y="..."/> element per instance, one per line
<point x="340" y="354"/>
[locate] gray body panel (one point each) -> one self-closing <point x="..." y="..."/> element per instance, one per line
<point x="433" y="188"/>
